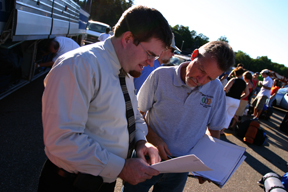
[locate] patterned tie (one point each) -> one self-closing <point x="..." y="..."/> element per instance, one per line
<point x="129" y="112"/>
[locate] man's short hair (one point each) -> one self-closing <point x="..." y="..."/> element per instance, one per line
<point x="239" y="71"/>
<point x="55" y="44"/>
<point x="222" y="52"/>
<point x="144" y="23"/>
<point x="240" y="65"/>
<point x="107" y="30"/>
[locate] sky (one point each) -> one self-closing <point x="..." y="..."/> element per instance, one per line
<point x="256" y="27"/>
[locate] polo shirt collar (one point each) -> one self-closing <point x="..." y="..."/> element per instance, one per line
<point x="177" y="81"/>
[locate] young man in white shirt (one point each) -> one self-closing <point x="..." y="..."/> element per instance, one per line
<point x="263" y="95"/>
<point x="85" y="125"/>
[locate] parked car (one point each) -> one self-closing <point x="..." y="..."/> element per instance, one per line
<point x="94" y="30"/>
<point x="281" y="99"/>
<point x="177" y="60"/>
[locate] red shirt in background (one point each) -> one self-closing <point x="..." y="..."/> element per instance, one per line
<point x="274" y="89"/>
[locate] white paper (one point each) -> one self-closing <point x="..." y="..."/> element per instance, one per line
<point x="223" y="157"/>
<point x="181" y="164"/>
<point x="219" y="155"/>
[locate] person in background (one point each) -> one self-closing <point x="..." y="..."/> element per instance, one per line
<point x="263" y="95"/>
<point x="232" y="74"/>
<point x="273" y="92"/>
<point x="244" y="101"/>
<point x="112" y="31"/>
<point x="255" y="80"/>
<point x="164" y="57"/>
<point x="235" y="90"/>
<point x="224" y="80"/>
<point x="105" y="35"/>
<point x="58" y="46"/>
<point x="182" y="102"/>
<point x="89" y="110"/>
<point x="260" y="79"/>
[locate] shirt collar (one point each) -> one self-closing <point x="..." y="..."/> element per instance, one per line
<point x="177" y="81"/>
<point x="109" y="48"/>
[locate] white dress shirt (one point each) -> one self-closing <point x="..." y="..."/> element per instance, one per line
<point x="84" y="121"/>
<point x="65" y="44"/>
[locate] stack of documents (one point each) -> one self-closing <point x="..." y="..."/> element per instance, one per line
<point x="212" y="159"/>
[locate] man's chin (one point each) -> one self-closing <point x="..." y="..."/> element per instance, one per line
<point x="135" y="74"/>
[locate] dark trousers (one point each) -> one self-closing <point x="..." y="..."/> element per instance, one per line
<point x="51" y="180"/>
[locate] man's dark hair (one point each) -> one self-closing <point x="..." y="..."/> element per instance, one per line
<point x="107" y="30"/>
<point x="144" y="23"/>
<point x="239" y="71"/>
<point x="240" y="65"/>
<point x="56" y="44"/>
<point x="222" y="52"/>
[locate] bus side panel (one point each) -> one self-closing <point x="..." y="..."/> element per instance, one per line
<point x="60" y="27"/>
<point x="32" y="24"/>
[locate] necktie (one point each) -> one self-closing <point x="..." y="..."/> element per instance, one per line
<point x="129" y="112"/>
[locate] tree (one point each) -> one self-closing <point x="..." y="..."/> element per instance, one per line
<point x="189" y="39"/>
<point x="223" y="38"/>
<point x="109" y="11"/>
<point x="241" y="57"/>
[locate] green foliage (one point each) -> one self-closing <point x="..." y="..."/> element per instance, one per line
<point x="223" y="38"/>
<point x="256" y="65"/>
<point x="109" y="11"/>
<point x="188" y="40"/>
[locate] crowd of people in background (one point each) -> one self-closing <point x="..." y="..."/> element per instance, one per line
<point x="260" y="93"/>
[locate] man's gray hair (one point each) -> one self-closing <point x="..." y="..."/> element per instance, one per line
<point x="221" y="51"/>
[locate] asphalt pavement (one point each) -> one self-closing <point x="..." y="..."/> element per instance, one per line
<point x="22" y="150"/>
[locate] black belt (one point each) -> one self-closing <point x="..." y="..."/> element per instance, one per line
<point x="80" y="180"/>
<point x="60" y="171"/>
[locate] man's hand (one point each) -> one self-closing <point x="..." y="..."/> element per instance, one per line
<point x="144" y="148"/>
<point x="160" y="144"/>
<point x="136" y="170"/>
<point x="202" y="180"/>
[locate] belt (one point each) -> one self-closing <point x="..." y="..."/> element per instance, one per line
<point x="82" y="181"/>
<point x="61" y="172"/>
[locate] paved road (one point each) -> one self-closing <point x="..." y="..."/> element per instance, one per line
<point x="22" y="154"/>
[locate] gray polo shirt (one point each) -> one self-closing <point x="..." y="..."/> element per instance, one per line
<point x="179" y="114"/>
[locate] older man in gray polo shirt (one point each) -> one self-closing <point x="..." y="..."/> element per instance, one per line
<point x="181" y="103"/>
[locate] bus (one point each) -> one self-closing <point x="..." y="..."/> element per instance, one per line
<point x="25" y="28"/>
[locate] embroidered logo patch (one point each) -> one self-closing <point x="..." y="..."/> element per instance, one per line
<point x="206" y="101"/>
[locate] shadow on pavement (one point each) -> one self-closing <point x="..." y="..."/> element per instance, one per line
<point x="275" y="138"/>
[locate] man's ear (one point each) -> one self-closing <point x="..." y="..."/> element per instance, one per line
<point x="127" y="38"/>
<point x="194" y="54"/>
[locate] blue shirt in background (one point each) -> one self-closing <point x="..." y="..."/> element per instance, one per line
<point x="145" y="73"/>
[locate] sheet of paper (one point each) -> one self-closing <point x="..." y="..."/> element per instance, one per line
<point x="181" y="164"/>
<point x="219" y="155"/>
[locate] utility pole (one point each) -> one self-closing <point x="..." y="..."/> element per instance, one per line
<point x="182" y="45"/>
